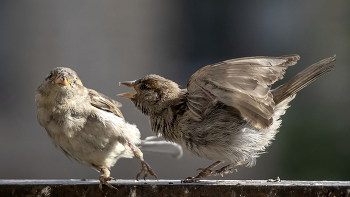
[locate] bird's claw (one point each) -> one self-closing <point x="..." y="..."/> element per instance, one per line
<point x="145" y="169"/>
<point x="103" y="180"/>
<point x="223" y="171"/>
<point x="205" y="172"/>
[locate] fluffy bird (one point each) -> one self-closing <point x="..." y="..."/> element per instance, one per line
<point x="228" y="112"/>
<point x="86" y="125"/>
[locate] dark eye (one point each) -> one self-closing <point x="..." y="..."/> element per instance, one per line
<point x="143" y="87"/>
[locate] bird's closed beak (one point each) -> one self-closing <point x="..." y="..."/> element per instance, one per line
<point x="62" y="79"/>
<point x="129" y="84"/>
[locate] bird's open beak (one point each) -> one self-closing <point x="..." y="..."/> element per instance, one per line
<point x="62" y="79"/>
<point x="129" y="84"/>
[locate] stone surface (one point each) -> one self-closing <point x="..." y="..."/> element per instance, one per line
<point x="167" y="188"/>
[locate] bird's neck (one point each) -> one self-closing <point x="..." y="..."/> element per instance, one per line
<point x="165" y="121"/>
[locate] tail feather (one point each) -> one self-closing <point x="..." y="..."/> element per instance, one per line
<point x="155" y="145"/>
<point x="303" y="79"/>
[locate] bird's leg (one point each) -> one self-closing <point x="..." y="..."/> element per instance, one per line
<point x="105" y="176"/>
<point x="204" y="173"/>
<point x="145" y="168"/>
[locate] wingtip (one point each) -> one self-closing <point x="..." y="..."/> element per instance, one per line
<point x="331" y="59"/>
<point x="334" y="57"/>
<point x="293" y="57"/>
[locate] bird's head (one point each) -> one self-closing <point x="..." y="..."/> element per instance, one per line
<point x="152" y="93"/>
<point x="60" y="80"/>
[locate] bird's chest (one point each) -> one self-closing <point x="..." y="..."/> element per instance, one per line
<point x="80" y="136"/>
<point x="62" y="119"/>
<point x="167" y="125"/>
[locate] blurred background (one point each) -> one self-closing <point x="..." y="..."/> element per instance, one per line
<point x="106" y="42"/>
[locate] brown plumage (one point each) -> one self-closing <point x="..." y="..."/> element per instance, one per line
<point x="228" y="111"/>
<point x="103" y="102"/>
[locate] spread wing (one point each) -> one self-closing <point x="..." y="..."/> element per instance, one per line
<point x="242" y="83"/>
<point x="103" y="102"/>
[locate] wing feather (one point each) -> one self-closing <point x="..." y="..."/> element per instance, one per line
<point x="242" y="83"/>
<point x="105" y="103"/>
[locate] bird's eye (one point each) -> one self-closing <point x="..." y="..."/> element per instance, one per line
<point x="143" y="87"/>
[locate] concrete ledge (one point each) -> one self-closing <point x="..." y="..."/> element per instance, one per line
<point x="166" y="188"/>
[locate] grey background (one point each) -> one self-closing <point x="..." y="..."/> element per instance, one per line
<point x="110" y="41"/>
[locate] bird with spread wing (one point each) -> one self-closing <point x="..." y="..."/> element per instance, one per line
<point x="228" y="112"/>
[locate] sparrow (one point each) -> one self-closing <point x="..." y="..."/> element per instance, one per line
<point x="228" y="112"/>
<point x="86" y="125"/>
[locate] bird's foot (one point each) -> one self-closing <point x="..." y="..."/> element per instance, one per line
<point x="145" y="169"/>
<point x="103" y="180"/>
<point x="205" y="172"/>
<point x="222" y="171"/>
<point x="225" y="170"/>
<point x="208" y="172"/>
